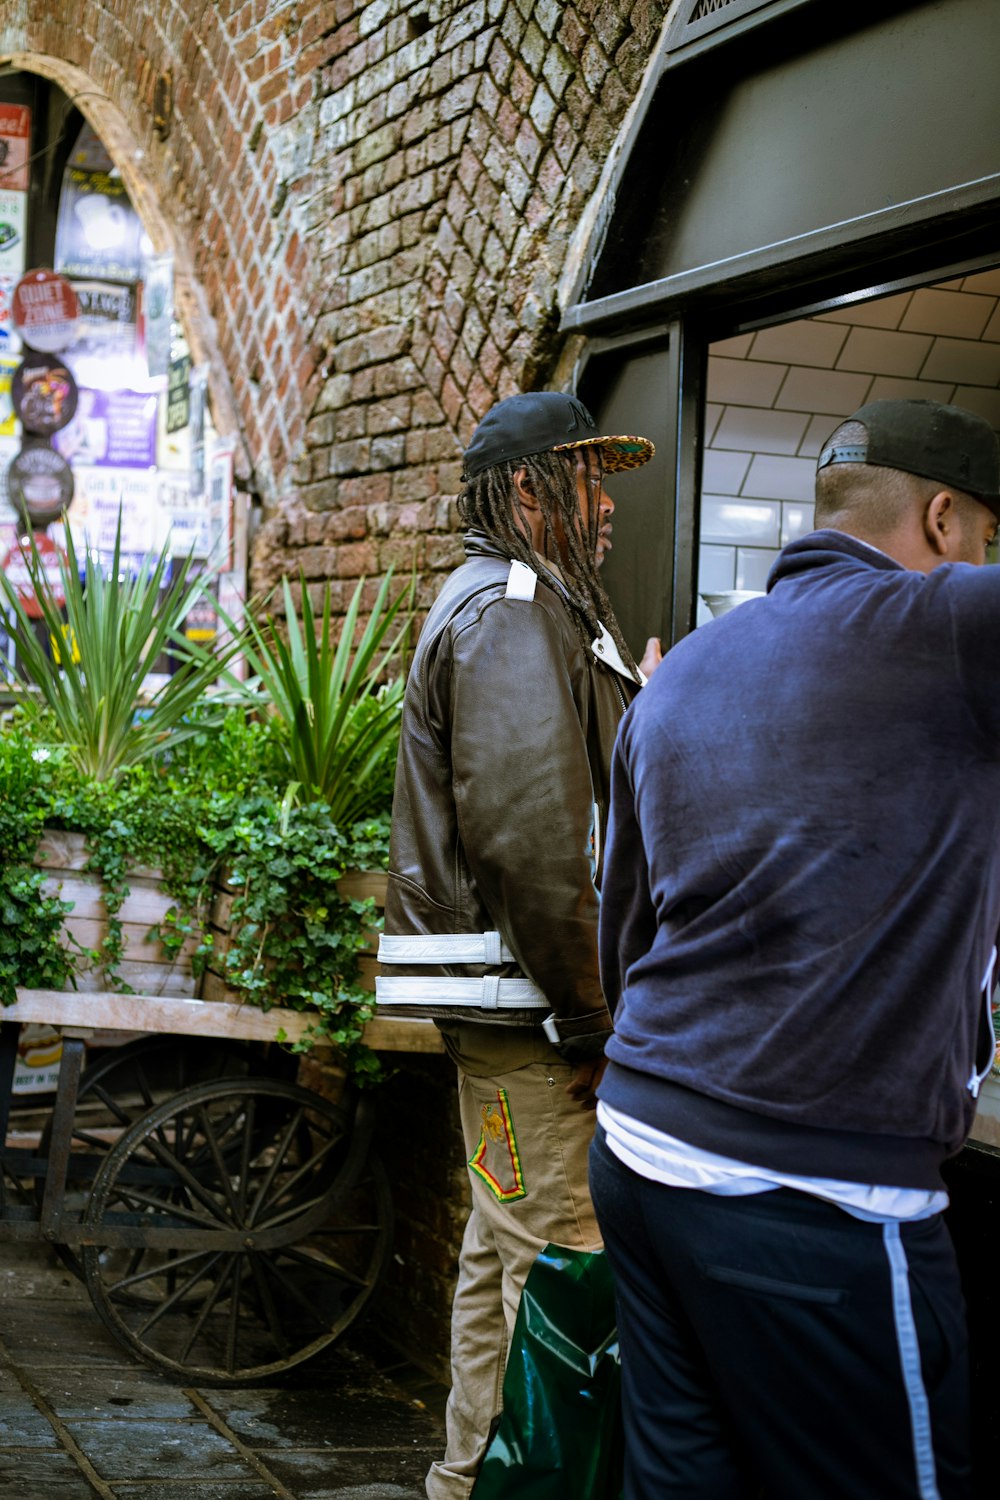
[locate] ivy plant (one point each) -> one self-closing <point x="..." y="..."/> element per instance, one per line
<point x="30" y="919"/>
<point x="213" y="812"/>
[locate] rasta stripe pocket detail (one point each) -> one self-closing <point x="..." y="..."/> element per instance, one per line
<point x="497" y="1160"/>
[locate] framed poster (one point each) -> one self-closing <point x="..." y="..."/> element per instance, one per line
<point x="157" y="312"/>
<point x="103" y="493"/>
<point x="109" y="318"/>
<point x="220" y="509"/>
<point x="111" y="429"/>
<point x="98" y="232"/>
<point x="13" y="224"/>
<point x="15" y="147"/>
<point x="187" y="519"/>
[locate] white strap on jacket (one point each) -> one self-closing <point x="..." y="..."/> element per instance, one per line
<point x="491" y="993"/>
<point x="521" y="582"/>
<point x="445" y="948"/>
<point x="604" y="648"/>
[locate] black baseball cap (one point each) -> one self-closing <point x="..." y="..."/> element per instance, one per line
<point x="545" y="422"/>
<point x="944" y="443"/>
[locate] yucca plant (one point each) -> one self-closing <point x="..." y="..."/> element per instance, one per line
<point x="339" y="711"/>
<point x="88" y="690"/>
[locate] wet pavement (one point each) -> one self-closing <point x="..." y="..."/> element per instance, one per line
<point x="79" y="1418"/>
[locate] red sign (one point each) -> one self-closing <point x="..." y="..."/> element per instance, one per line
<point x="45" y="310"/>
<point x="15" y="565"/>
<point x="15" y="140"/>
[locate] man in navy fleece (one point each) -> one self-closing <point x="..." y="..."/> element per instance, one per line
<point x="799" y="920"/>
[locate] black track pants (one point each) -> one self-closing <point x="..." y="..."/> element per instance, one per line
<point x="775" y="1348"/>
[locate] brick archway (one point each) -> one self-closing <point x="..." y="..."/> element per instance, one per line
<point x="376" y="213"/>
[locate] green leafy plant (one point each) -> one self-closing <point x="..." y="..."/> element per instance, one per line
<point x="294" y="941"/>
<point x="104" y="642"/>
<point x="340" y="714"/>
<point x="30" y="919"/>
<point x="211" y="810"/>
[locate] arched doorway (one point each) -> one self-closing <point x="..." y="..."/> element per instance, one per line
<point x="152" y="437"/>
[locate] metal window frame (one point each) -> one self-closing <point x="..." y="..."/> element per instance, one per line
<point x="689" y="34"/>
<point x="688" y="335"/>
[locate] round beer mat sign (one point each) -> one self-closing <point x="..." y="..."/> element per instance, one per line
<point x="15" y="566"/>
<point x="45" y="310"/>
<point x="44" y="394"/>
<point x="40" y="483"/>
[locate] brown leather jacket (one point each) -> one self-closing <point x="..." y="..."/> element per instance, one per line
<point x="501" y="798"/>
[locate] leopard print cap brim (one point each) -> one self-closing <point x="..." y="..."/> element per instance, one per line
<point x="619" y="453"/>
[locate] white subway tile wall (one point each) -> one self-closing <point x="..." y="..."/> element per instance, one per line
<point x="752" y="523"/>
<point x="775" y="396"/>
<point x="716" y="569"/>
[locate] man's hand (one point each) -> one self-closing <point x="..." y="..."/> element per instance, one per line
<point x="583" y="1085"/>
<point x="651" y="657"/>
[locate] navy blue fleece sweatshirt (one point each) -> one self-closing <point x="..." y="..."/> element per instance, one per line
<point x="801" y="892"/>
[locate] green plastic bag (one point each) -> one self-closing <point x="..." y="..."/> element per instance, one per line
<point x="560" y="1433"/>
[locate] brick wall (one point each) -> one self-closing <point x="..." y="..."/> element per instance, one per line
<point x="459" y="145"/>
<point x="370" y="206"/>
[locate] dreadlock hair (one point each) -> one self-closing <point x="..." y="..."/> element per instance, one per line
<point x="489" y="503"/>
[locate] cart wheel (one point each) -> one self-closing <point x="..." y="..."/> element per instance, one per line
<point x="119" y="1087"/>
<point x="254" y="1158"/>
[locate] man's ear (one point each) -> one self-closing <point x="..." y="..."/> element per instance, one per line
<point x="940" y="522"/>
<point x="524" y="490"/>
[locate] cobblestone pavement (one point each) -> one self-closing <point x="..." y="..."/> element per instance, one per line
<point x="79" y="1418"/>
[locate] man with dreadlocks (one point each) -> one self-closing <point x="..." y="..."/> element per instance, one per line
<point x="518" y="683"/>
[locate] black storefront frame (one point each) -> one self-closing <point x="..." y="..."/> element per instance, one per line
<point x="752" y="302"/>
<point x="973" y="1177"/>
<point x="916" y="244"/>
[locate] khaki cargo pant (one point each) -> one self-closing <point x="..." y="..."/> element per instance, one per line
<point x="527" y="1146"/>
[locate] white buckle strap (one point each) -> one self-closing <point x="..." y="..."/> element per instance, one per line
<point x="491" y="993"/>
<point x="445" y="948"/>
<point x="521" y="582"/>
<point x="604" y="648"/>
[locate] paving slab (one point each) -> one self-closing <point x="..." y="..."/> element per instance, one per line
<point x="379" y="1474"/>
<point x="30" y="1475"/>
<point x="141" y="1448"/>
<point x="205" y="1490"/>
<point x="75" y="1391"/>
<point x="326" y="1416"/>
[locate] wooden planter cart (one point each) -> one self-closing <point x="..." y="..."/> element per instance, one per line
<point x="228" y="1223"/>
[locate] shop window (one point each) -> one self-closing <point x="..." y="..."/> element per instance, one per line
<point x="774" y="395"/>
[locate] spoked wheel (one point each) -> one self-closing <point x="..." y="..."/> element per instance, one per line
<point x="240" y="1234"/>
<point x="122" y="1086"/>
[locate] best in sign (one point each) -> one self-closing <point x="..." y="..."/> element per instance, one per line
<point x="45" y="311"/>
